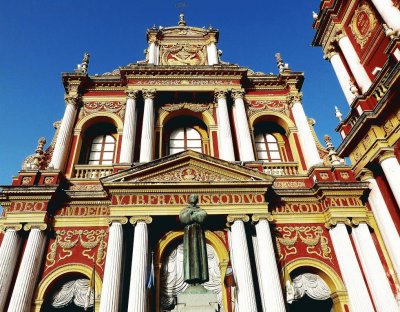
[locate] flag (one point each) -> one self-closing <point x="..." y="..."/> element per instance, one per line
<point x="150" y="280"/>
<point x="90" y="290"/>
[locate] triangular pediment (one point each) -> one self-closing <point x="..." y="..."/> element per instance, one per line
<point x="188" y="167"/>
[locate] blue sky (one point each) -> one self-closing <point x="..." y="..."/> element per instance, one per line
<point x="40" y="39"/>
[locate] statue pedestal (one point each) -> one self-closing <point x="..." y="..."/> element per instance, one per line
<point x="197" y="299"/>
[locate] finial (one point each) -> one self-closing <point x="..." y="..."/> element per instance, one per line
<point x="389" y="32"/>
<point x="314" y="15"/>
<point x="83" y="67"/>
<point x="38" y="158"/>
<point x="182" y="21"/>
<point x="338" y="114"/>
<point x="279" y="62"/>
<point x="333" y="157"/>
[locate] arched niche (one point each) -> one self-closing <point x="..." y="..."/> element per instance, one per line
<point x="173" y="239"/>
<point x="45" y="286"/>
<point x="338" y="290"/>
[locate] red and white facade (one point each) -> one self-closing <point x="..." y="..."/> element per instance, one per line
<point x="91" y="221"/>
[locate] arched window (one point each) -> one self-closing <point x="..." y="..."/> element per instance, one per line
<point x="183" y="139"/>
<point x="102" y="150"/>
<point x="267" y="148"/>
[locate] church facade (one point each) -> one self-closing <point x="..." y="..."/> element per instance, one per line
<point x="91" y="222"/>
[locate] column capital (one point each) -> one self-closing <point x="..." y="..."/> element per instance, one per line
<point x="10" y="226"/>
<point x="135" y="219"/>
<point x="357" y="221"/>
<point x="73" y="100"/>
<point x="340" y="33"/>
<point x="365" y="174"/>
<point x="149" y="93"/>
<point x="332" y="222"/>
<point x="122" y="220"/>
<point x="131" y="94"/>
<point x="237" y="94"/>
<point x="237" y="217"/>
<point x="219" y="94"/>
<point x="385" y="154"/>
<point x="262" y="216"/>
<point x="295" y="98"/>
<point x="41" y="226"/>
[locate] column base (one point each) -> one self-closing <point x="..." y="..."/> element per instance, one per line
<point x="197" y="299"/>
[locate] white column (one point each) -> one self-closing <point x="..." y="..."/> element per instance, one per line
<point x="212" y="54"/>
<point x="129" y="132"/>
<point x="258" y="260"/>
<point x="389" y="13"/>
<point x="352" y="59"/>
<point x="8" y="260"/>
<point x="385" y="223"/>
<point x="270" y="281"/>
<point x="147" y="141"/>
<point x="351" y="273"/>
<point x="224" y="128"/>
<point x="21" y="298"/>
<point x="61" y="148"/>
<point x="342" y="75"/>
<point x="242" y="127"/>
<point x="153" y="53"/>
<point x="139" y="270"/>
<point x="307" y="141"/>
<point x="110" y="293"/>
<point x="241" y="262"/>
<point x="374" y="273"/>
<point x="391" y="168"/>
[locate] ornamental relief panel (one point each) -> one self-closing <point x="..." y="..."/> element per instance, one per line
<point x="95" y="107"/>
<point x="183" y="54"/>
<point x="292" y="240"/>
<point x="363" y="23"/>
<point x="89" y="244"/>
<point x="255" y="106"/>
<point x="194" y="107"/>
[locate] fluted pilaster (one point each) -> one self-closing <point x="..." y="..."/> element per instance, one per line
<point x="25" y="283"/>
<point x="129" y="132"/>
<point x="110" y="293"/>
<point x="351" y="272"/>
<point x="139" y="271"/>
<point x="241" y="265"/>
<point x="242" y="127"/>
<point x="147" y="142"/>
<point x="60" y="152"/>
<point x="226" y="151"/>
<point x="272" y="295"/>
<point x="9" y="251"/>
<point x="374" y="272"/>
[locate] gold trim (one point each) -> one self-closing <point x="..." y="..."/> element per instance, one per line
<point x="135" y="219"/>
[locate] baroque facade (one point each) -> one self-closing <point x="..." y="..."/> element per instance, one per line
<point x="91" y="222"/>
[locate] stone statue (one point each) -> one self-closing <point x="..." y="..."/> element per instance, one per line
<point x="195" y="263"/>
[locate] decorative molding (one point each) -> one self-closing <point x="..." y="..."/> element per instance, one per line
<point x="183" y="54"/>
<point x="194" y="107"/>
<point x="102" y="106"/>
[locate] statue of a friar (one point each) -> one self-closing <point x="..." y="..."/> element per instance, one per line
<point x="195" y="261"/>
